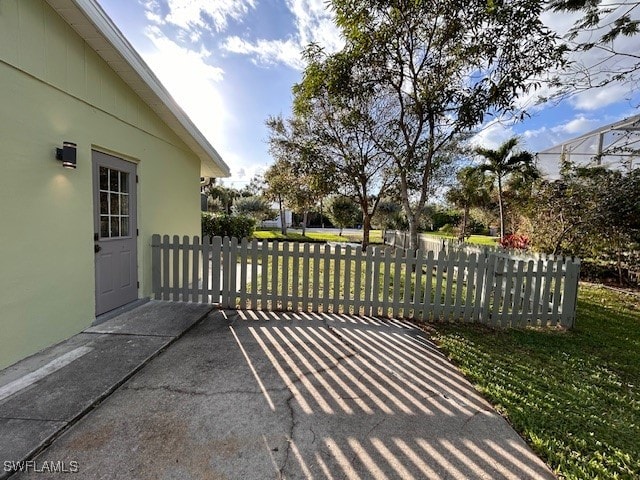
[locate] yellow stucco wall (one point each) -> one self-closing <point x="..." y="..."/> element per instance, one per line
<point x="54" y="87"/>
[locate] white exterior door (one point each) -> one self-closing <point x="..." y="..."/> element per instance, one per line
<point x="115" y="231"/>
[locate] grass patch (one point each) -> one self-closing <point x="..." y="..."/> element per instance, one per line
<point x="375" y="236"/>
<point x="572" y="395"/>
<point x="298" y="237"/>
<point x="475" y="239"/>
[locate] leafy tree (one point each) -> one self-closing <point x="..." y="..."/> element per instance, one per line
<point x="439" y="67"/>
<point x="257" y="208"/>
<point x="306" y="191"/>
<point x="224" y="195"/>
<point x="387" y="215"/>
<point x="599" y="31"/>
<point x="590" y="212"/>
<point x="278" y="180"/>
<point x="215" y="205"/>
<point x="503" y="163"/>
<point x="471" y="191"/>
<point x="293" y="187"/>
<point x="335" y="127"/>
<point x="343" y="212"/>
<point x="255" y="187"/>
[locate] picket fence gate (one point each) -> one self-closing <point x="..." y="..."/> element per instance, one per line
<point x="382" y="281"/>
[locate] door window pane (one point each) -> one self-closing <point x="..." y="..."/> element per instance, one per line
<point x="104" y="178"/>
<point x="104" y="226"/>
<point x="104" y="203"/>
<point x="115" y="227"/>
<point x="124" y="205"/>
<point x="114" y="203"/>
<point x="113" y="180"/>
<point x="124" y="182"/>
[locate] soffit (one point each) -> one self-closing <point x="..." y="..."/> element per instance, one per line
<point x="88" y="19"/>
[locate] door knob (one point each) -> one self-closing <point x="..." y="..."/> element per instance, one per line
<point x="97" y="248"/>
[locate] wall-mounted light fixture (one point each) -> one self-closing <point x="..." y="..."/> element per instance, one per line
<point x="67" y="154"/>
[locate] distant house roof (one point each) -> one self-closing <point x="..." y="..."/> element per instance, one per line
<point x="88" y="19"/>
<point x="616" y="145"/>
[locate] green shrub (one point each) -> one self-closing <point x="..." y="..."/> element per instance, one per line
<point x="447" y="228"/>
<point x="239" y="226"/>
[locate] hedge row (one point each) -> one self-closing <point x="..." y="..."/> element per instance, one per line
<point x="238" y="226"/>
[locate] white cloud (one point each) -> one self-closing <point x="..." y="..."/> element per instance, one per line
<point x="578" y="125"/>
<point x="601" y="97"/>
<point x="314" y="23"/>
<point x="267" y="52"/>
<point x="597" y="64"/>
<point x="242" y="171"/>
<point x="193" y="84"/>
<point x="492" y="135"/>
<point x="193" y="15"/>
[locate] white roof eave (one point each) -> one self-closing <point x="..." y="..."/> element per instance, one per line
<point x="99" y="31"/>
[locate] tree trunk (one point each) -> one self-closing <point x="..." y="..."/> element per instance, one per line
<point x="501" y="208"/>
<point x="283" y="220"/>
<point x="304" y="222"/>
<point x="465" y="216"/>
<point x="366" y="227"/>
<point x="413" y="231"/>
<point x="412" y="216"/>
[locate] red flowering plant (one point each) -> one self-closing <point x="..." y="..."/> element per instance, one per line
<point x="515" y="241"/>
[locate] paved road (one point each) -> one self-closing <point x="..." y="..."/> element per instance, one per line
<point x="248" y="395"/>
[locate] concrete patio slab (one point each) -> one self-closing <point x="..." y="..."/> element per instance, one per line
<point x="253" y="395"/>
<point x="67" y="392"/>
<point x="155" y="318"/>
<point x="45" y="393"/>
<point x="25" y="436"/>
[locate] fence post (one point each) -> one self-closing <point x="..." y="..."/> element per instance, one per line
<point x="570" y="294"/>
<point x="243" y="272"/>
<point x="264" y="275"/>
<point x="216" y="269"/>
<point x="195" y="268"/>
<point x="185" y="268"/>
<point x="254" y="274"/>
<point x="175" y="251"/>
<point x="489" y="281"/>
<point x="337" y="277"/>
<point x="155" y="266"/>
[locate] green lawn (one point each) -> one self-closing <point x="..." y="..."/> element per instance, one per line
<point x="572" y="395"/>
<point x="298" y="237"/>
<point x="475" y="239"/>
<point x="375" y="236"/>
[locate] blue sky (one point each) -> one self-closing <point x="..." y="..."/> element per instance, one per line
<point x="231" y="63"/>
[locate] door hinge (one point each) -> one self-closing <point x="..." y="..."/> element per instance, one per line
<point x="137" y="232"/>
<point x="138" y="284"/>
<point x="137" y="179"/>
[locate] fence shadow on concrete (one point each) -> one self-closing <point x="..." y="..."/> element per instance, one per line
<point x="373" y="398"/>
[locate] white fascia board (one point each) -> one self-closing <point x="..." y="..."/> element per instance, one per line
<point x="212" y="162"/>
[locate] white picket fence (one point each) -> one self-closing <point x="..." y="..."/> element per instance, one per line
<point x="381" y="281"/>
<point x="431" y="243"/>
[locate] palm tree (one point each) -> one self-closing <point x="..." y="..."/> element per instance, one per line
<point x="504" y="162"/>
<point x="472" y="191"/>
